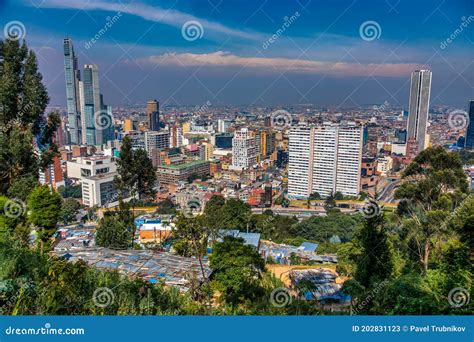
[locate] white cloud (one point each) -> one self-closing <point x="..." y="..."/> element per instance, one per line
<point x="170" y="17"/>
<point x="225" y="59"/>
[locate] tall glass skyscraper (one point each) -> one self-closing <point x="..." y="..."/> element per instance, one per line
<point x="470" y="128"/>
<point x="97" y="117"/>
<point x="73" y="76"/>
<point x="420" y="90"/>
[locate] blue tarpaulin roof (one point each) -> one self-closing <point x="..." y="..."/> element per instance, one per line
<point x="310" y="247"/>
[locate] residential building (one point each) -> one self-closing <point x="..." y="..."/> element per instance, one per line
<point x="420" y="90"/>
<point x="128" y="125"/>
<point x="156" y="140"/>
<point x="223" y="125"/>
<point x="324" y="159"/>
<point x="244" y="149"/>
<point x="53" y="174"/>
<point x="368" y="176"/>
<point x="384" y="165"/>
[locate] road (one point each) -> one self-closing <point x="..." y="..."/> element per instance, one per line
<point x="388" y="192"/>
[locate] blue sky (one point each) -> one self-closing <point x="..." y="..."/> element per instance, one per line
<point x="334" y="53"/>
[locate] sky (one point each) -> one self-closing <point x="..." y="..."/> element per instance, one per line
<point x="332" y="53"/>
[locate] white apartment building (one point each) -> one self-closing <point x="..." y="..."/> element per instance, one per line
<point x="223" y="125"/>
<point x="82" y="167"/>
<point x="99" y="191"/>
<point x="244" y="149"/>
<point x="325" y="159"/>
<point x="384" y="165"/>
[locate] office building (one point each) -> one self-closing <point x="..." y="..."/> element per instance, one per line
<point x="73" y="76"/>
<point x="81" y="167"/>
<point x="173" y="174"/>
<point x="324" y="159"/>
<point x="470" y="128"/>
<point x="97" y="119"/>
<point x="153" y="114"/>
<point x="418" y="107"/>
<point x="224" y="140"/>
<point x="99" y="190"/>
<point x="244" y="149"/>
<point x="156" y="140"/>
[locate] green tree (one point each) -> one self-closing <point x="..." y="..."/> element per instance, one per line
<point x="237" y="269"/>
<point x="145" y="174"/>
<point x="434" y="184"/>
<point x="69" y="210"/>
<point x="45" y="206"/>
<point x="136" y="174"/>
<point x="23" y="100"/>
<point x="213" y="212"/>
<point x="113" y="232"/>
<point x="235" y="215"/>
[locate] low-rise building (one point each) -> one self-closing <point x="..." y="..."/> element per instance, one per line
<point x="173" y="174"/>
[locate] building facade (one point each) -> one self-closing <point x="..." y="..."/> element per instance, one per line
<point x="324" y="159"/>
<point x="73" y="76"/>
<point x="153" y="114"/>
<point x="470" y="128"/>
<point x="244" y="149"/>
<point x="420" y="90"/>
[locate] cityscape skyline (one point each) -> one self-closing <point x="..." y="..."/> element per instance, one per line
<point x="353" y="55"/>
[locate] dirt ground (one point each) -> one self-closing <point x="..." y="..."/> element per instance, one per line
<point x="282" y="271"/>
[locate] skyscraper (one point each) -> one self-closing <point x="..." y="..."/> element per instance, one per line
<point x="419" y="106"/>
<point x="470" y="127"/>
<point x="96" y="116"/>
<point x="73" y="76"/>
<point x="324" y="159"/>
<point x="153" y="113"/>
